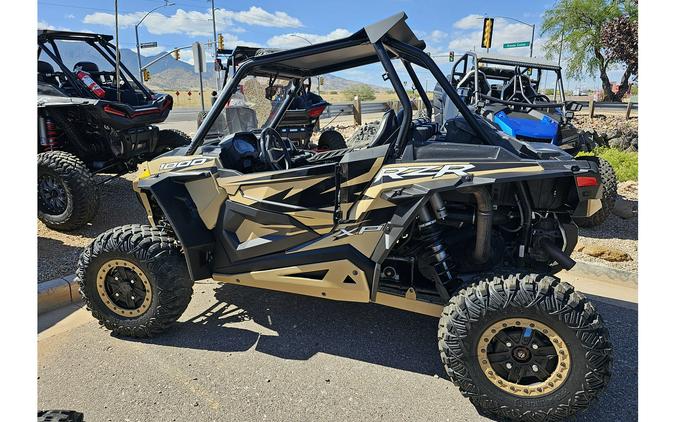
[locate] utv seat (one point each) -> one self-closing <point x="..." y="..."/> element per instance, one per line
<point x="89" y="67"/>
<point x="46" y="73"/>
<point x="388" y="126"/>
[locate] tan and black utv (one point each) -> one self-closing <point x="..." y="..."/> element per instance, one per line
<point x="457" y="221"/>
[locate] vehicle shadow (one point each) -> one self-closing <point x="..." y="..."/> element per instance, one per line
<point x="298" y="327"/>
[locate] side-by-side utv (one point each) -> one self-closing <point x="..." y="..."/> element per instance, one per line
<point x="88" y="123"/>
<point x="458" y="221"/>
<point x="508" y="91"/>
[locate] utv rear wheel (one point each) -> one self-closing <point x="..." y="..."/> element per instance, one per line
<point x="332" y="140"/>
<point x="134" y="280"/>
<point x="67" y="194"/>
<point x="609" y="185"/>
<point x="170" y="139"/>
<point x="525" y="347"/>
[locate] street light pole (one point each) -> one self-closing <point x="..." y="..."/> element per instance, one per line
<point x="138" y="44"/>
<point x="215" y="45"/>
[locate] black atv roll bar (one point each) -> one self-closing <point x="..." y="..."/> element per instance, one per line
<point x="418" y="86"/>
<point x="420" y="58"/>
<point x="251" y="64"/>
<point x="397" y="48"/>
<point x="392" y="77"/>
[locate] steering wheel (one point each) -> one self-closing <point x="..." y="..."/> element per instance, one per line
<point x="273" y="150"/>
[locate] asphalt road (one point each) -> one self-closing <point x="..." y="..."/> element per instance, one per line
<point x="245" y="354"/>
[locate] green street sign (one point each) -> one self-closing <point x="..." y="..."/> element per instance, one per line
<point x="517" y="44"/>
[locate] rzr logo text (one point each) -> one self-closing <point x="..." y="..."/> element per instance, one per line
<point x="398" y="173"/>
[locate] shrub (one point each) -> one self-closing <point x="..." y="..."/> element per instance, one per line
<point x="625" y="163"/>
<point x="364" y="92"/>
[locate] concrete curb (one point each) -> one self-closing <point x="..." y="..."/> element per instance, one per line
<point x="56" y="293"/>
<point x="603" y="273"/>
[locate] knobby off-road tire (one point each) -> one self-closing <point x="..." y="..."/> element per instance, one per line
<point x="609" y="185"/>
<point x="60" y="416"/>
<point x="170" y="139"/>
<point x="63" y="174"/>
<point x="332" y="140"/>
<point x="155" y="260"/>
<point x="540" y="301"/>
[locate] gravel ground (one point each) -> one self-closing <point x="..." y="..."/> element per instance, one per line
<point x="58" y="251"/>
<point x="615" y="233"/>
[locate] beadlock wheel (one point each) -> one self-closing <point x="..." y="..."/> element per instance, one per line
<point x="523" y="357"/>
<point x="124" y="288"/>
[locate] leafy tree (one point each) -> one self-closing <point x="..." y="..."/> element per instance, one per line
<point x="591" y="31"/>
<point x="365" y="92"/>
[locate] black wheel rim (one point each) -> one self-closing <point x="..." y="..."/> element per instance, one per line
<point x="523" y="357"/>
<point x="125" y="288"/>
<point x="52" y="196"/>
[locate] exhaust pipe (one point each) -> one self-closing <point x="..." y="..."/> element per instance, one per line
<point x="557" y="254"/>
<point x="482" y="250"/>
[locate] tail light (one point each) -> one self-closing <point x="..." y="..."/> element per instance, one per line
<point x="584" y="181"/>
<point x="112" y="110"/>
<point x="316" y="111"/>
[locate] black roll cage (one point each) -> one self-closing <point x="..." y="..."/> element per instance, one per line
<point x="519" y="70"/>
<point x="99" y="42"/>
<point x="383" y="38"/>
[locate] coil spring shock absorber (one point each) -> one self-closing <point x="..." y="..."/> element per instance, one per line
<point x="431" y="234"/>
<point x="48" y="133"/>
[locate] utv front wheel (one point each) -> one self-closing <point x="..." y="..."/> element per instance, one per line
<point x="67" y="194"/>
<point x="525" y="347"/>
<point x="134" y="280"/>
<point x="609" y="185"/>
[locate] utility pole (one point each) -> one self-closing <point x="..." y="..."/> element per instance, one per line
<point x="215" y="45"/>
<point x="138" y="44"/>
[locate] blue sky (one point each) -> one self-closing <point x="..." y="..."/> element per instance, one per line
<point x="444" y="25"/>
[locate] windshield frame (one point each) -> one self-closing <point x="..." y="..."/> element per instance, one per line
<point x="385" y="49"/>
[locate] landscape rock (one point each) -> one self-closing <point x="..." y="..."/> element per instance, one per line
<point x="610" y="130"/>
<point x="603" y="252"/>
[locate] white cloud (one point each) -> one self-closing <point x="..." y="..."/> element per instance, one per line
<point x="259" y="16"/>
<point x="196" y="23"/>
<point x="300" y="39"/>
<point x="147" y="52"/>
<point x="437" y="36"/>
<point x="504" y="31"/>
<point x="42" y="24"/>
<point x="469" y="22"/>
<point x="70" y="16"/>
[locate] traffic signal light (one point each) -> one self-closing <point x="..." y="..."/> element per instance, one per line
<point x="146" y="75"/>
<point x="451" y="56"/>
<point x="176" y="54"/>
<point x="221" y="42"/>
<point x="487" y="32"/>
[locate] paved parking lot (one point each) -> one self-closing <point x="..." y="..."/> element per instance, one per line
<point x="246" y="354"/>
